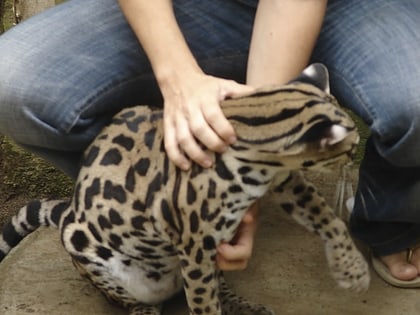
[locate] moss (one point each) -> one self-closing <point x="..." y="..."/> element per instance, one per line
<point x="23" y="173"/>
<point x="364" y="135"/>
<point x="8" y="18"/>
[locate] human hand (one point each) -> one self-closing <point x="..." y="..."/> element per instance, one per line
<point x="193" y="117"/>
<point x="236" y="254"/>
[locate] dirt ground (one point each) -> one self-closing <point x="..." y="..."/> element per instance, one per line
<point x="288" y="272"/>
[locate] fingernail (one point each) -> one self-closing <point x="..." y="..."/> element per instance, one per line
<point x="207" y="163"/>
<point x="232" y="140"/>
<point x="185" y="166"/>
<point x="224" y="149"/>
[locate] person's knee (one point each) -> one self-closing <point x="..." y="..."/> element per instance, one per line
<point x="397" y="133"/>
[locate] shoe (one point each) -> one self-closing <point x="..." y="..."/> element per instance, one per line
<point x="383" y="272"/>
<point x="350" y="205"/>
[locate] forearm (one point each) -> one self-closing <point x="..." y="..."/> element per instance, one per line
<point x="284" y="35"/>
<point x="155" y="26"/>
<point x="192" y="113"/>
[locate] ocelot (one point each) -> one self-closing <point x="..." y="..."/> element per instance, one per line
<point x="141" y="230"/>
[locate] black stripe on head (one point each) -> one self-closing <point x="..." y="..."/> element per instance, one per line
<point x="265" y="120"/>
<point x="289" y="133"/>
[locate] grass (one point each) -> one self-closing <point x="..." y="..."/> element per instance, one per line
<point x="364" y="135"/>
<point x="24" y="173"/>
<point x="8" y="18"/>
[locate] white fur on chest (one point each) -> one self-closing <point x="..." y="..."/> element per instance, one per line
<point x="142" y="288"/>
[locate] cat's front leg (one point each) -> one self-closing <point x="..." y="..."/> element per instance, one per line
<point x="201" y="285"/>
<point x="233" y="304"/>
<point x="302" y="201"/>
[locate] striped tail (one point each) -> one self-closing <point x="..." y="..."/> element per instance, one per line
<point x="30" y="217"/>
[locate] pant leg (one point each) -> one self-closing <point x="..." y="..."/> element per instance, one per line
<point x="65" y="72"/>
<point x="372" y="49"/>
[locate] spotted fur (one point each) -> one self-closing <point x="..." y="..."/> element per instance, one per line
<point x="142" y="230"/>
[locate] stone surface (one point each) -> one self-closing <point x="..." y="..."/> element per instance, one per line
<point x="288" y="272"/>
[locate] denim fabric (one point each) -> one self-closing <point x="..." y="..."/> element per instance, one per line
<point x="372" y="49"/>
<point x="64" y="73"/>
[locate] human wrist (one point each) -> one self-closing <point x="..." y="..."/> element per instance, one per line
<point x="170" y="76"/>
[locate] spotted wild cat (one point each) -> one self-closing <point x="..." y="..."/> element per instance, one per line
<point x="142" y="230"/>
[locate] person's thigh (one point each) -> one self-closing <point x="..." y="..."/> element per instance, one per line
<point x="64" y="73"/>
<point x="57" y="67"/>
<point x="372" y="49"/>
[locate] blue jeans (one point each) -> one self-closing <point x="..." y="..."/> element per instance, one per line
<point x="64" y="73"/>
<point x="373" y="54"/>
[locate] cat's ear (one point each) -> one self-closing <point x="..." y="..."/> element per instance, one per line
<point x="315" y="74"/>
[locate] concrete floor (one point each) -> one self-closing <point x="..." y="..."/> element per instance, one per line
<point x="287" y="272"/>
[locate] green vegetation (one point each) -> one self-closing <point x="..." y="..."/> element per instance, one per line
<point x="8" y="17"/>
<point x="364" y="134"/>
<point x="24" y="173"/>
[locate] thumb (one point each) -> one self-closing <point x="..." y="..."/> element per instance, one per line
<point x="235" y="89"/>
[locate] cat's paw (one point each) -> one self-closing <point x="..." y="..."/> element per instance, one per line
<point x="348" y="267"/>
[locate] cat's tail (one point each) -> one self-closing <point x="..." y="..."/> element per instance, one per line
<point x="30" y="217"/>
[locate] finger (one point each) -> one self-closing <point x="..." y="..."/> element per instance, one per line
<point x="232" y="257"/>
<point x="251" y="215"/>
<point x="221" y="126"/>
<point x="225" y="265"/>
<point x="236" y="252"/>
<point x="208" y="134"/>
<point x="235" y="89"/>
<point x="214" y="114"/>
<point x="247" y="228"/>
<point x="187" y="142"/>
<point x="172" y="147"/>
